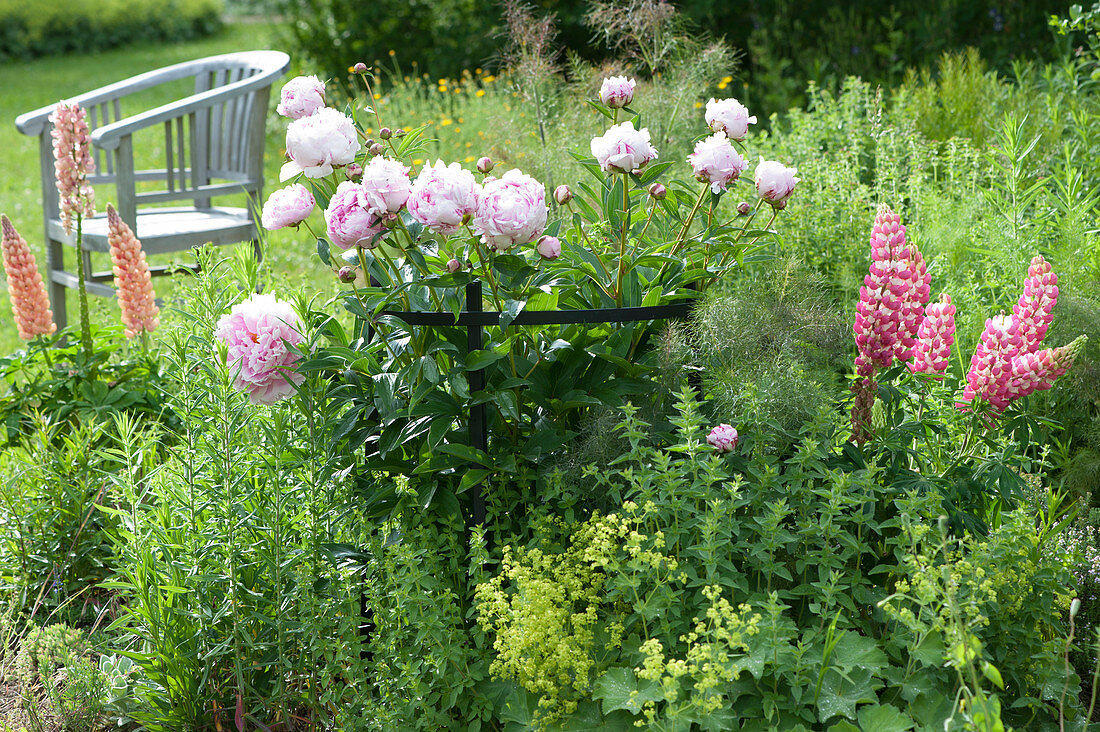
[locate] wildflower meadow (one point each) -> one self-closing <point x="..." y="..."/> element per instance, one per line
<point x="636" y="382"/>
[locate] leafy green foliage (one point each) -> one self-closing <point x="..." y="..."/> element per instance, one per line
<point x="57" y="680"/>
<point x="52" y="382"/>
<point x="764" y="592"/>
<point x="86" y="26"/>
<point x="236" y="601"/>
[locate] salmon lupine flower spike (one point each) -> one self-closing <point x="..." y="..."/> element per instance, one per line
<point x="133" y="281"/>
<point x="29" y="303"/>
<point x="73" y="162"/>
<point x="935" y="337"/>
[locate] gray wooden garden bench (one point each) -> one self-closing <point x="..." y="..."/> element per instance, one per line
<point x="213" y="143"/>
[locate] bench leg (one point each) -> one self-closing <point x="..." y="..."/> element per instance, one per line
<point x="55" y="262"/>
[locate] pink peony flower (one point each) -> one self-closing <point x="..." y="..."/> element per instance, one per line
<point x="29" y="303"/>
<point x="301" y="97"/>
<point x="549" y="247"/>
<point x="723" y="438"/>
<point x="775" y="182"/>
<point x="935" y="337"/>
<point x="623" y="149"/>
<point x="288" y="206"/>
<point x="133" y="283"/>
<point x="617" y="91"/>
<point x="350" y="220"/>
<point x="512" y="210"/>
<point x="729" y="116"/>
<point x="318" y="142"/>
<point x="256" y="334"/>
<point x="715" y="161"/>
<point x="443" y="196"/>
<point x="386" y="185"/>
<point x="73" y="162"/>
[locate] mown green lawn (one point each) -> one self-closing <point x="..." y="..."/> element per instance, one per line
<point x="29" y="85"/>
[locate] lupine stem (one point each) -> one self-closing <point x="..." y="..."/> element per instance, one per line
<point x="85" y="321"/>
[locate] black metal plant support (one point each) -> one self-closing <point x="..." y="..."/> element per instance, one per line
<point x="475" y="319"/>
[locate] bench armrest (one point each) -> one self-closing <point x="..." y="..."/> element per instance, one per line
<point x="108" y="137"/>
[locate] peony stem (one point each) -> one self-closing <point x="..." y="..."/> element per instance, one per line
<point x="684" y="230"/>
<point x="625" y="230"/>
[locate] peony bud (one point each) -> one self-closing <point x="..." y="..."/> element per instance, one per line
<point x="549" y="247"/>
<point x="485" y="164"/>
<point x="346" y="274"/>
<point x="658" y="191"/>
<point x="377" y="149"/>
<point x="775" y="182"/>
<point x="353" y="171"/>
<point x="623" y="149"/>
<point x="617" y="91"/>
<point x="385" y="133"/>
<point x="301" y="97"/>
<point x="399" y="132"/>
<point x="744" y="208"/>
<point x="453" y="266"/>
<point x="723" y="438"/>
<point x="563" y="195"/>
<point x="360" y="68"/>
<point x="716" y="163"/>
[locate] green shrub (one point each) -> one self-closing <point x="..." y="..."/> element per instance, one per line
<point x="57" y="680"/>
<point x="84" y="26"/>
<point x="754" y="592"/>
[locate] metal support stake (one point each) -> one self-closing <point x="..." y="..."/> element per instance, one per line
<point x="479" y="437"/>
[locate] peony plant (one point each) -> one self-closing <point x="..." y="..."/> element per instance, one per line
<point x="433" y="240"/>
